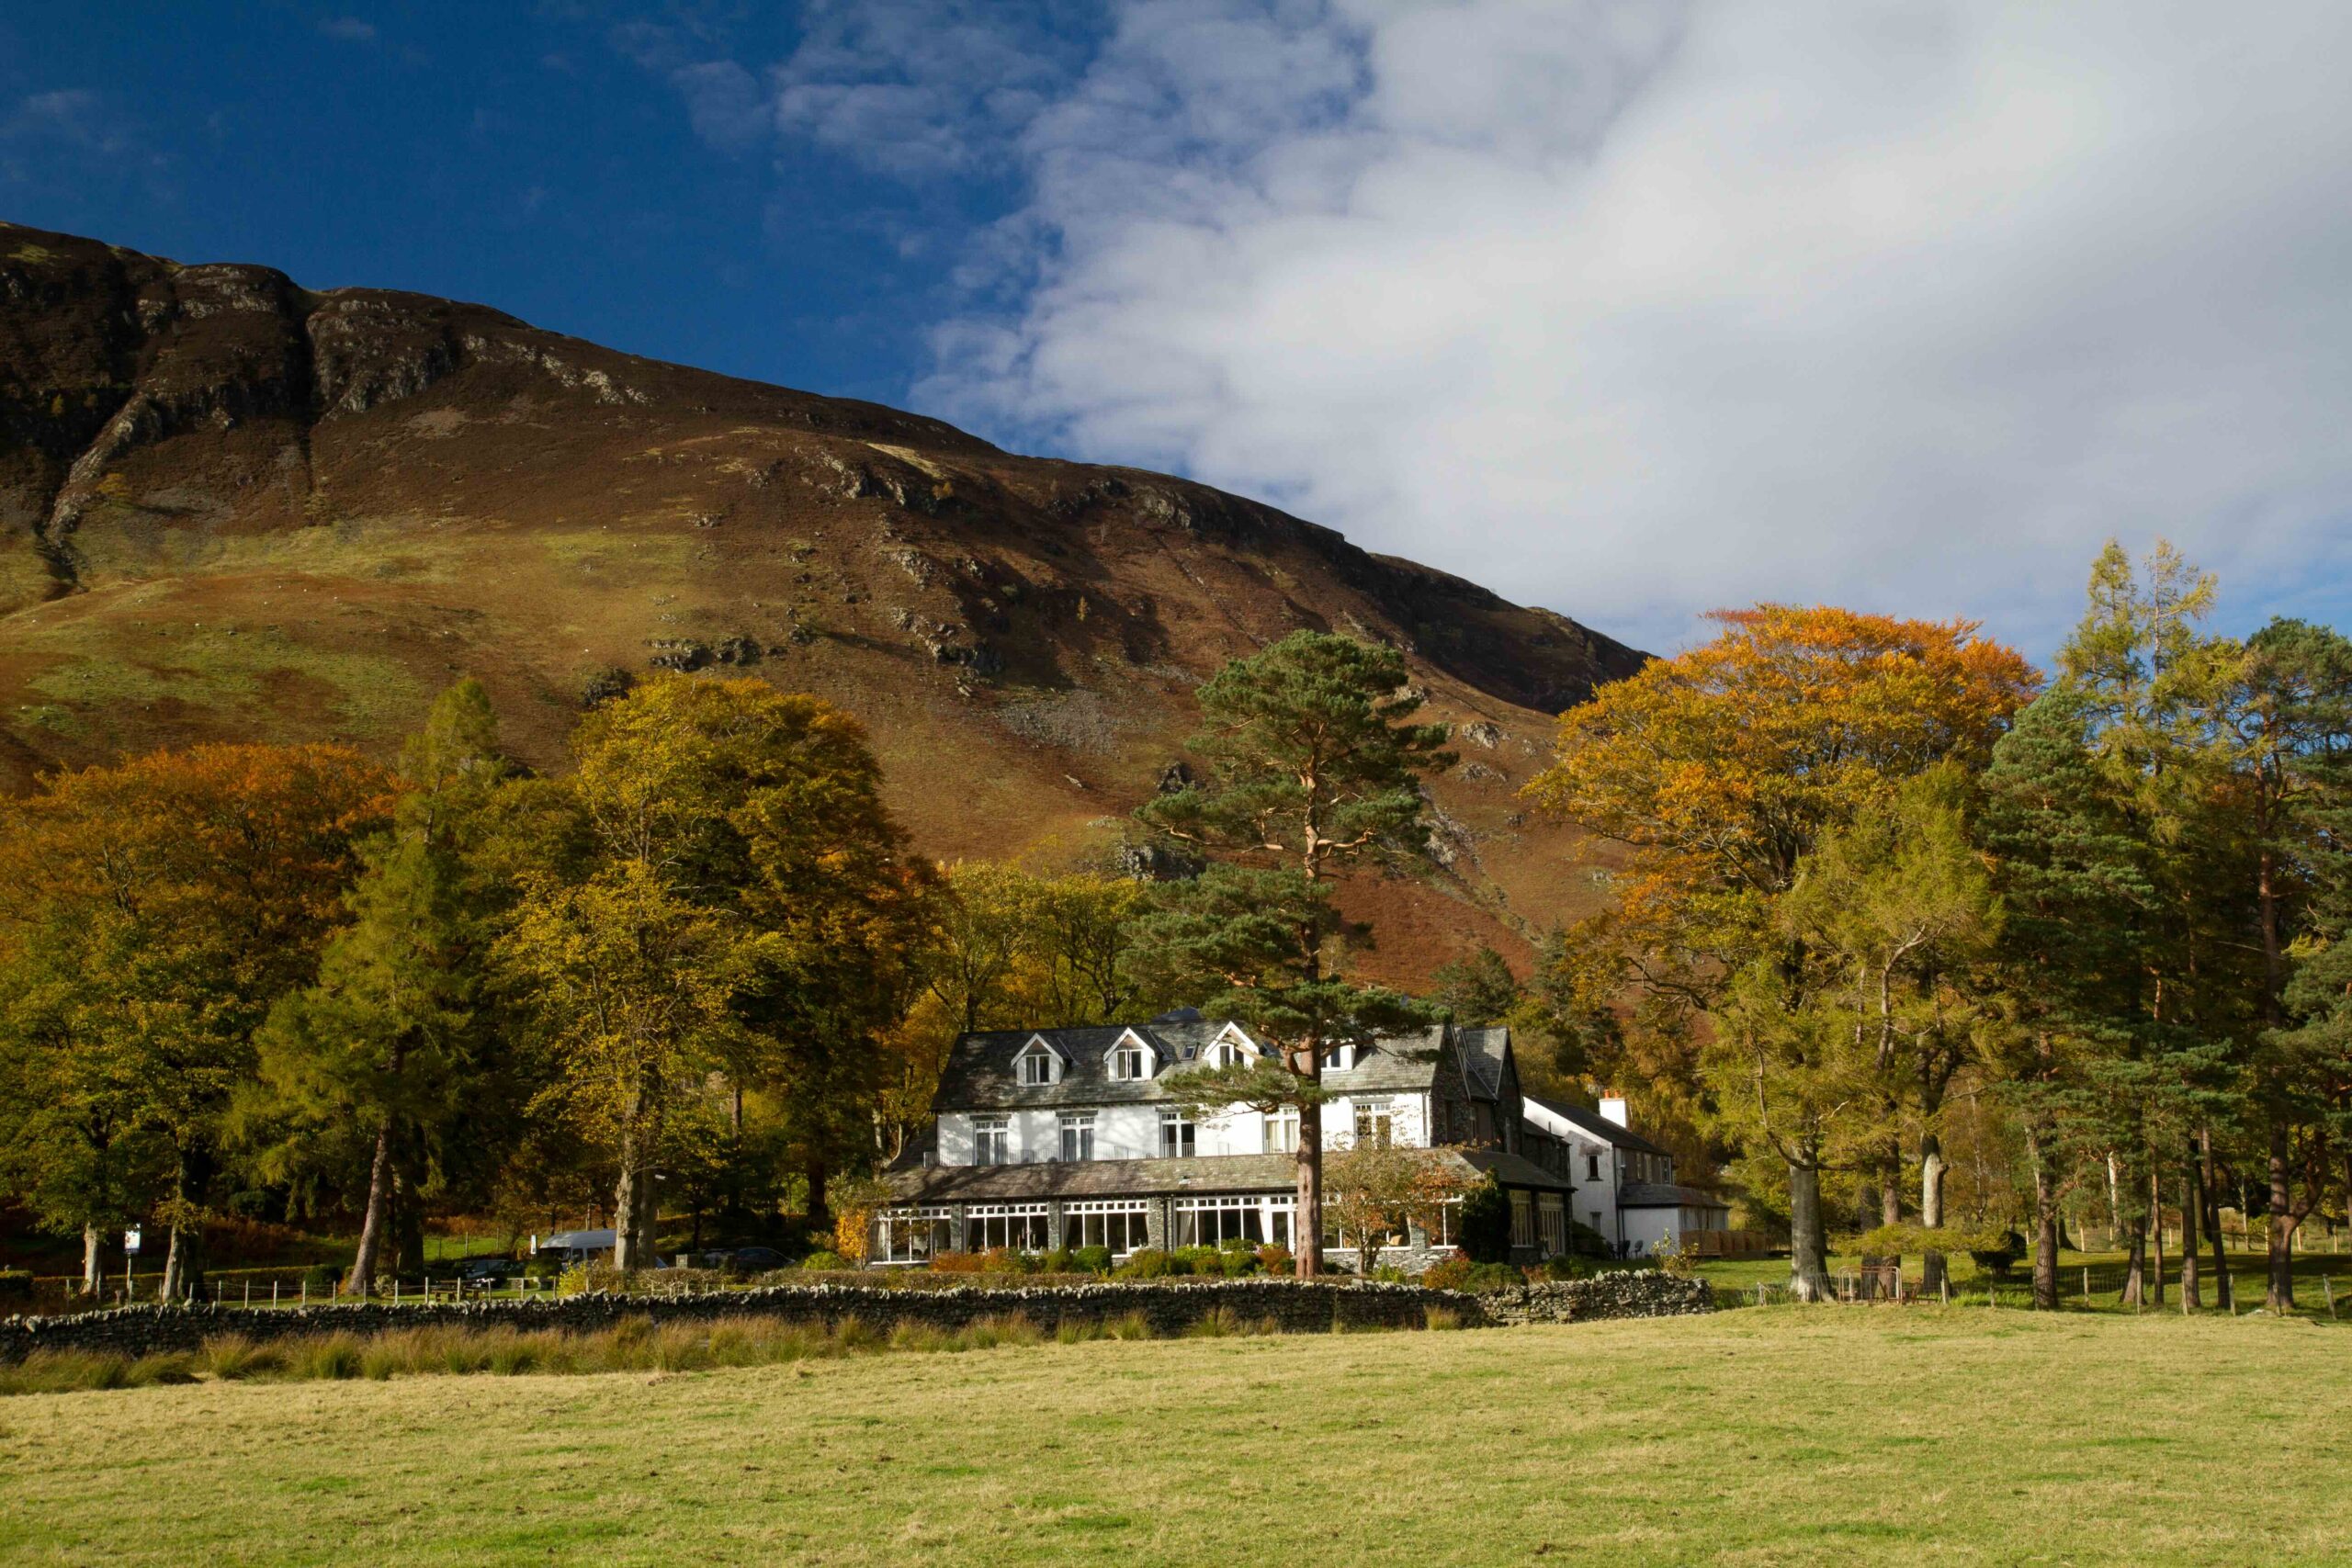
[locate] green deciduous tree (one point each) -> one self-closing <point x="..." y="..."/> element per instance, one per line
<point x="717" y="889"/>
<point x="1822" y="1032"/>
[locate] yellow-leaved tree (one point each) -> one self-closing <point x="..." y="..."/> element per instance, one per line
<point x="1718" y="771"/>
<point x="717" y="893"/>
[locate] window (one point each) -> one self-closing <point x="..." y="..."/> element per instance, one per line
<point x="1282" y="1130"/>
<point x="1120" y="1224"/>
<point x="913" y="1236"/>
<point x="991" y="1141"/>
<point x="1554" y="1215"/>
<point x="1226" y="1054"/>
<point x="1038" y="1066"/>
<point x="1376" y="1125"/>
<point x="1592" y="1167"/>
<point x="1014" y="1227"/>
<point x="1177" y="1137"/>
<point x="1206" y="1222"/>
<point x="1340" y="1059"/>
<point x="1482" y="1122"/>
<point x="1077" y="1137"/>
<point x="1127" y="1064"/>
<point x="1523" y="1218"/>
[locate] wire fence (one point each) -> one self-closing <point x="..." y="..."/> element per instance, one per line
<point x="2107" y="1286"/>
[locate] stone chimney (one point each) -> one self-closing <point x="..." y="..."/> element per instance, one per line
<point x="1612" y="1109"/>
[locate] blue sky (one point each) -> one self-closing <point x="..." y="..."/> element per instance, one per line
<point x="538" y="159"/>
<point x="1626" y="308"/>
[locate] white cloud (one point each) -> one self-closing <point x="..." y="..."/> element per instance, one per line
<point x="1635" y="311"/>
<point x="918" y="87"/>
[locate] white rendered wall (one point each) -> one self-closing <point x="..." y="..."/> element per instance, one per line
<point x="955" y="1138"/>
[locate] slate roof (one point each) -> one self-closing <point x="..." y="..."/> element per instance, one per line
<point x="1664" y="1195"/>
<point x="980" y="1073"/>
<point x="1153" y="1178"/>
<point x="1593" y="1124"/>
<point x="1482" y="1059"/>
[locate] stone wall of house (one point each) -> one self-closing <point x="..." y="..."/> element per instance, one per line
<point x="1170" y="1306"/>
<point x="1620" y="1292"/>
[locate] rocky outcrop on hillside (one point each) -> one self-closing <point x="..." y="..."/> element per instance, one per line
<point x="234" y="507"/>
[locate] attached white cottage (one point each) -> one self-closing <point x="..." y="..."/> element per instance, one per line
<point x="1625" y="1186"/>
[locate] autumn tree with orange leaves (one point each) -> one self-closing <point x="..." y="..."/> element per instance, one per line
<point x="1719" y="771"/>
<point x="151" y="914"/>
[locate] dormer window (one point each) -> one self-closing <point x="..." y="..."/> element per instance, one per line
<point x="1340" y="1059"/>
<point x="1231" y="1048"/>
<point x="1129" y="1060"/>
<point x="1037" y="1066"/>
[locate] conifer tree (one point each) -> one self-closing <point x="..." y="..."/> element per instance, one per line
<point x="400" y="1036"/>
<point x="1314" y="763"/>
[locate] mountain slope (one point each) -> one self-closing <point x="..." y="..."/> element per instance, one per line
<point x="232" y="507"/>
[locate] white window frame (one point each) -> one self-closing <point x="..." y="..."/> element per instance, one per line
<point x="1377" y="1113"/>
<point x="1232" y="1048"/>
<point x="1229" y="1214"/>
<point x="1186" y="1125"/>
<point x="1522" y="1217"/>
<point x="1340" y="1059"/>
<point x="1081" y="1124"/>
<point x="1552" y="1223"/>
<point x="906" y="1236"/>
<point x="1040" y="1055"/>
<point x="1086" y="1218"/>
<point x="991" y="1135"/>
<point x="1016" y="1227"/>
<point x="1146" y="1059"/>
<point x="1281" y="1132"/>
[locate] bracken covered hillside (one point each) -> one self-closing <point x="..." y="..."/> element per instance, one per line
<point x="234" y="508"/>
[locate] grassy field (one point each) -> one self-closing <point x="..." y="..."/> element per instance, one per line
<point x="1761" y="1437"/>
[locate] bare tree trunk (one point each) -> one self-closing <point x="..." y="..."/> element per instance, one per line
<point x="375" y="1222"/>
<point x="1932" y="1211"/>
<point x="820" y="1213"/>
<point x="633" y="1201"/>
<point x="407" y="1225"/>
<point x="1890" y="1197"/>
<point x="2156" y="1219"/>
<point x="2135" y="1269"/>
<point x="2115" y="1197"/>
<point x="2280" y="1296"/>
<point x="1808" y="1239"/>
<point x="2192" y="1212"/>
<point x="2224" y="1292"/>
<point x="1307" y="1218"/>
<point x="632" y="1222"/>
<point x="93" y="1260"/>
<point x="2045" y="1226"/>
<point x="184" y="1262"/>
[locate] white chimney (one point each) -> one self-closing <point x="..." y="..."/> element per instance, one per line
<point x="1613" y="1109"/>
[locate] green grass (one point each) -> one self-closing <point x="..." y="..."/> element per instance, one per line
<point x="1785" y="1435"/>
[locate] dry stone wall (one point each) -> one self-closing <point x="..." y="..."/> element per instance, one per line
<point x="1622" y="1293"/>
<point x="1168" y="1307"/>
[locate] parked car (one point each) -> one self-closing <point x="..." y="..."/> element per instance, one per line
<point x="488" y="1271"/>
